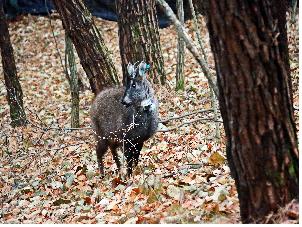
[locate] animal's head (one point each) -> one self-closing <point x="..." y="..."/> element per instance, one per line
<point x="138" y="88"/>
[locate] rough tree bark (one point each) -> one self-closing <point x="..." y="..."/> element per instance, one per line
<point x="255" y="104"/>
<point x="279" y="12"/>
<point x="71" y="70"/>
<point x="94" y="55"/>
<point x="180" y="78"/>
<point x="13" y="87"/>
<point x="139" y="36"/>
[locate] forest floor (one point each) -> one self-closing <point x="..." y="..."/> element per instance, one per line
<point x="49" y="174"/>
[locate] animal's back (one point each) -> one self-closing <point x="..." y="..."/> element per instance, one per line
<point x="106" y="112"/>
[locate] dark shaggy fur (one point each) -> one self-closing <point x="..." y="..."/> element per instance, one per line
<point x="128" y="127"/>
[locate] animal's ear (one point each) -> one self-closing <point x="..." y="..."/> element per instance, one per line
<point x="130" y="69"/>
<point x="142" y="68"/>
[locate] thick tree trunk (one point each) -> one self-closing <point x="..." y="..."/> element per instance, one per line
<point x="94" y="56"/>
<point x="13" y="87"/>
<point x="255" y="104"/>
<point x="139" y="36"/>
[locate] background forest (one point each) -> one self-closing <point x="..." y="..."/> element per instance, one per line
<point x="48" y="168"/>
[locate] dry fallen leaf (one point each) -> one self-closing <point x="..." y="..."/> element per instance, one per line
<point x="175" y="192"/>
<point x="216" y="159"/>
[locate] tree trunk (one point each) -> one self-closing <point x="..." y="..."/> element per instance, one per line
<point x="279" y="13"/>
<point x="180" y="78"/>
<point x="74" y="82"/>
<point x="139" y="36"/>
<point x="255" y="104"/>
<point x="13" y="87"/>
<point x="189" y="43"/>
<point x="94" y="56"/>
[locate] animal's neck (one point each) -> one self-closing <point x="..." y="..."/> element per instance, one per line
<point x="149" y="104"/>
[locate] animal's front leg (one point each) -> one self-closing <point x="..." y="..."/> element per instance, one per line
<point x="129" y="148"/>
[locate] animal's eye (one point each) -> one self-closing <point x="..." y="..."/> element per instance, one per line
<point x="134" y="85"/>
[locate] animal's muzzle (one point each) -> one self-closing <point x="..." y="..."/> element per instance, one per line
<point x="126" y="102"/>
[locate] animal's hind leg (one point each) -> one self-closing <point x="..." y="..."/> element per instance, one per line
<point x="136" y="153"/>
<point x="101" y="149"/>
<point x="115" y="157"/>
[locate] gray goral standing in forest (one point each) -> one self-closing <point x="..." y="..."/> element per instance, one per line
<point x="125" y="117"/>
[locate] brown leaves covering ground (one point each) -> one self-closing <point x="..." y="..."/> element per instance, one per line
<point x="50" y="175"/>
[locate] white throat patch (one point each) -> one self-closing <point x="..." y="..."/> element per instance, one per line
<point x="148" y="102"/>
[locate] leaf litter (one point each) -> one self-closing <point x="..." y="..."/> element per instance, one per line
<point x="51" y="175"/>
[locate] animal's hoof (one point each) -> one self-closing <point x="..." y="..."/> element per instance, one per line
<point x="123" y="173"/>
<point x="102" y="174"/>
<point x="129" y="174"/>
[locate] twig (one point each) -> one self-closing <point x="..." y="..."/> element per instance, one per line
<point x="56" y="44"/>
<point x="46" y="127"/>
<point x="214" y="106"/>
<point x="185" y="115"/>
<point x="169" y="175"/>
<point x="197" y="30"/>
<point x="37" y="116"/>
<point x="70" y="129"/>
<point x="192" y="166"/>
<point x="163" y="121"/>
<point x="187" y="123"/>
<point x="213" y="99"/>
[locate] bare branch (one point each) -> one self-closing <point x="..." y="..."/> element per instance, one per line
<point x="185" y="115"/>
<point x="189" y="43"/>
<point x="46" y="127"/>
<point x="70" y="129"/>
<point x="187" y="123"/>
<point x="56" y="44"/>
<point x="196" y="27"/>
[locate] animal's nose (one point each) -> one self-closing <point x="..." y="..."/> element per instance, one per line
<point x="126" y="102"/>
<point x="123" y="102"/>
